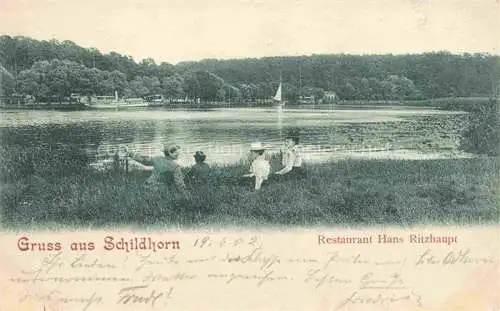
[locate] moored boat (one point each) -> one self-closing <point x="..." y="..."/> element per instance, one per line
<point x="114" y="102"/>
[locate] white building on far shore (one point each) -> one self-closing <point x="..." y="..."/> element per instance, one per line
<point x="330" y="96"/>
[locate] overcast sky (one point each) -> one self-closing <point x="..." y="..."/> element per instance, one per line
<point x="178" y="30"/>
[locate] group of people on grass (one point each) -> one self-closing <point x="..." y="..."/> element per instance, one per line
<point x="166" y="172"/>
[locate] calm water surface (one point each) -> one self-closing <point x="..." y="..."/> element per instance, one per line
<point x="225" y="134"/>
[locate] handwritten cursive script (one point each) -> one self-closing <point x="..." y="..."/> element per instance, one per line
<point x="346" y="277"/>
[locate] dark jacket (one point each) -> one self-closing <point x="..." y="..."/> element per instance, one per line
<point x="199" y="173"/>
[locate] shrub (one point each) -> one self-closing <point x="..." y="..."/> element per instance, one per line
<point x="482" y="135"/>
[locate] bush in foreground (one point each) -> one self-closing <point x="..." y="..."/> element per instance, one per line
<point x="482" y="136"/>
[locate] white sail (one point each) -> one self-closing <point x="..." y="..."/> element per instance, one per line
<point x="116" y="99"/>
<point x="278" y="94"/>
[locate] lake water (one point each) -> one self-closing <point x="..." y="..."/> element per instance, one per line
<point x="225" y="134"/>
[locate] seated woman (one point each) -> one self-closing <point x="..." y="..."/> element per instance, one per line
<point x="199" y="173"/>
<point x="291" y="158"/>
<point x="260" y="167"/>
<point x="165" y="171"/>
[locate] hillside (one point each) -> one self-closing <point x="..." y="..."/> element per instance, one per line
<point x="58" y="68"/>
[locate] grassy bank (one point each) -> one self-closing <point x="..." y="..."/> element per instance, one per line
<point x="347" y="193"/>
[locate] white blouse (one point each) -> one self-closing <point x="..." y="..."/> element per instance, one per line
<point x="291" y="158"/>
<point x="260" y="168"/>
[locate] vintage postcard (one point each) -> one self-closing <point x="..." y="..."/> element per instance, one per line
<point x="249" y="155"/>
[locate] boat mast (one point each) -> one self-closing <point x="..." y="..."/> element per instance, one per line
<point x="281" y="87"/>
<point x="116" y="99"/>
<point x="300" y="81"/>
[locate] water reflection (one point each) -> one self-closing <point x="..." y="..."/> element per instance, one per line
<point x="279" y="113"/>
<point x="225" y="134"/>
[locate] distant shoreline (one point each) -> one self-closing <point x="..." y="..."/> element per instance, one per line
<point x="451" y="103"/>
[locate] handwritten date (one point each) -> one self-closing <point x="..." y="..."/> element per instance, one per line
<point x="208" y="241"/>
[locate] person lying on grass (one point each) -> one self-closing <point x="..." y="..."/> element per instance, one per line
<point x="260" y="167"/>
<point x="166" y="172"/>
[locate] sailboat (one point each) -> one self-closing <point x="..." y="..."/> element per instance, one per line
<point x="279" y="95"/>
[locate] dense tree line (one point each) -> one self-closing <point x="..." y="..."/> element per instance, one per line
<point x="428" y="75"/>
<point x="57" y="79"/>
<point x="48" y="69"/>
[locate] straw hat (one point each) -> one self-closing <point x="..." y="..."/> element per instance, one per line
<point x="256" y="146"/>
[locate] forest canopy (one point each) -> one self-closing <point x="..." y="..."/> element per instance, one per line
<point x="55" y="68"/>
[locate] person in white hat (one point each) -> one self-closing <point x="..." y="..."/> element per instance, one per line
<point x="260" y="167"/>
